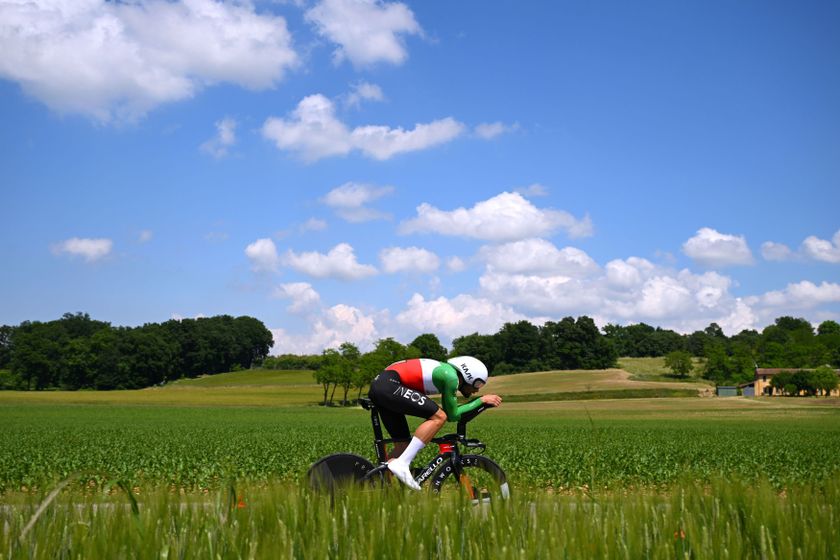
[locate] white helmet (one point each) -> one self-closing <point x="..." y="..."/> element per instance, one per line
<point x="473" y="371"/>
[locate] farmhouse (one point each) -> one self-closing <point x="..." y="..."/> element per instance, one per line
<point x="764" y="375"/>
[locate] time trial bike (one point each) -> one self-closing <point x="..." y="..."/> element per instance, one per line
<point x="478" y="476"/>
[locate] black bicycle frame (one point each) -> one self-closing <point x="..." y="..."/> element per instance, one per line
<point x="454" y="455"/>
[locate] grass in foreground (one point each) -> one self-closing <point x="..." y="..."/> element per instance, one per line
<point x="722" y="519"/>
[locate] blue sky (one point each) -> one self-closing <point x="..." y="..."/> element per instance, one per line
<point x="352" y="170"/>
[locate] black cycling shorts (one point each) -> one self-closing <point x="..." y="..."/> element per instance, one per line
<point x="394" y="400"/>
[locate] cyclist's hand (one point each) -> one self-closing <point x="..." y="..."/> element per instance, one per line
<point x="492" y="400"/>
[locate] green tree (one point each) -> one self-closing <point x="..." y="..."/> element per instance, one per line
<point x="392" y="350"/>
<point x="804" y="382"/>
<point x="36" y="359"/>
<point x="696" y="343"/>
<point x="781" y="381"/>
<point x="253" y="341"/>
<point x="575" y="344"/>
<point x="828" y="336"/>
<point x="484" y="347"/>
<point x="679" y="362"/>
<point x="741" y="362"/>
<point x="330" y="371"/>
<point x="6" y="333"/>
<point x="370" y="365"/>
<point x="429" y="346"/>
<point x="717" y="364"/>
<point x="828" y="328"/>
<point x="825" y="379"/>
<point x="349" y="364"/>
<point x="519" y="343"/>
<point x="78" y="365"/>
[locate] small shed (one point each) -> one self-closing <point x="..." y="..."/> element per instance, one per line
<point x="747" y="389"/>
<point x="727" y="391"/>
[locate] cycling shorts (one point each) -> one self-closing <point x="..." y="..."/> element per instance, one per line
<point x="394" y="400"/>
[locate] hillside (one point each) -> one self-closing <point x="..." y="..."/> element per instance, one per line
<point x="294" y="388"/>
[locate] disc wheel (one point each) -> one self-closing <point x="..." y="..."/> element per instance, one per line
<point x="337" y="471"/>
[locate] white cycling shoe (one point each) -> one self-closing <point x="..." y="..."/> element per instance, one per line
<point x="403" y="474"/>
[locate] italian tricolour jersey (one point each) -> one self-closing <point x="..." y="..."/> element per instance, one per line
<point x="416" y="374"/>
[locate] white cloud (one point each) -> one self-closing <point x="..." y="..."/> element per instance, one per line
<point x="363" y="91"/>
<point x="145" y="236"/>
<point x="263" y="255"/>
<point x="456" y="264"/>
<point x="313" y="224"/>
<point x="775" y="251"/>
<point x="741" y="317"/>
<point x="712" y="248"/>
<point x="537" y="256"/>
<point x="821" y="249"/>
<point x="538" y="294"/>
<point x="302" y="295"/>
<point x="335" y="325"/>
<point x="118" y="60"/>
<point x="382" y="142"/>
<point x="533" y="190"/>
<point x="350" y="199"/>
<point x="661" y="297"/>
<point x="313" y="132"/>
<point x="340" y="262"/>
<point x="505" y="217"/>
<point x="89" y="249"/>
<point x="225" y="138"/>
<point x="408" y="259"/>
<point x="630" y="290"/>
<point x="801" y="295"/>
<point x="628" y="273"/>
<point x="488" y="131"/>
<point x="461" y="315"/>
<point x="366" y="31"/>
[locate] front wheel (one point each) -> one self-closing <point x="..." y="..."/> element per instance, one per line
<point x="481" y="479"/>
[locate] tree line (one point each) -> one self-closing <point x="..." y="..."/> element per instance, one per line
<point x="579" y="344"/>
<point x="788" y="343"/>
<point x="77" y="352"/>
<point x="516" y="347"/>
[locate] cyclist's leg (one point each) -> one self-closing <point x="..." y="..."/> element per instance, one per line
<point x="397" y="427"/>
<point x="427" y="430"/>
<point x="393" y="419"/>
<point x="390" y="394"/>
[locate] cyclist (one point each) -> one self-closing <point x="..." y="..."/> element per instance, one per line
<point x="403" y="388"/>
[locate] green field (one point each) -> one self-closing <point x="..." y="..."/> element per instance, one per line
<point x="612" y="444"/>
<point x="738" y="477"/>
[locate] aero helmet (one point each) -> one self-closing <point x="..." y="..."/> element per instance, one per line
<point x="473" y="371"/>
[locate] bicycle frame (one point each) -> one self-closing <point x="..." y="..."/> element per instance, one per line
<point x="449" y="448"/>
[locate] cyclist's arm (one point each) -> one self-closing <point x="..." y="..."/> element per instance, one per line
<point x="446" y="380"/>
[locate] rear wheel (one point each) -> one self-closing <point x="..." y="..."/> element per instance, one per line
<point x="339" y="470"/>
<point x="479" y="478"/>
